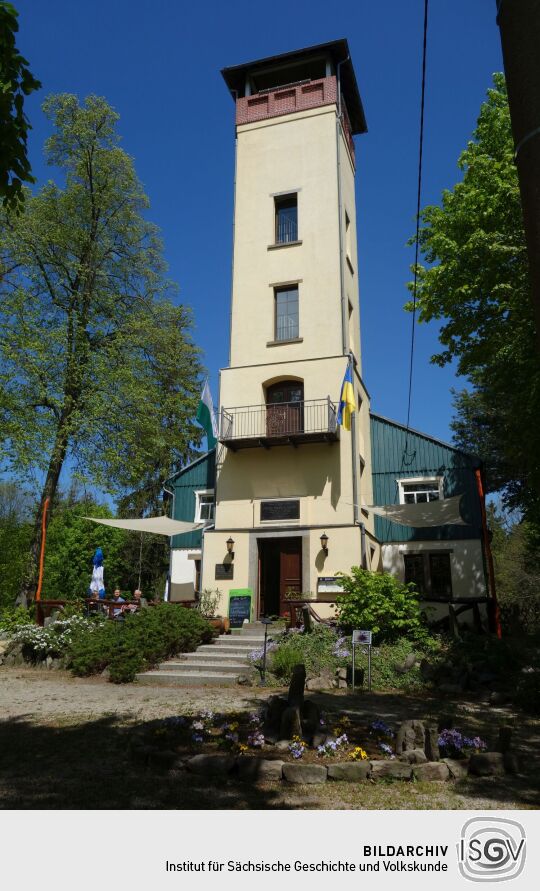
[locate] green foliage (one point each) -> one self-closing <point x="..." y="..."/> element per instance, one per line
<point x="71" y="543"/>
<point x="380" y="603"/>
<point x="13" y="617"/>
<point x="100" y="367"/>
<point x="389" y="657"/>
<point x="314" y="650"/>
<point x="476" y="284"/>
<point x="16" y="82"/>
<point x="15" y="537"/>
<point x="139" y="641"/>
<point x="516" y="557"/>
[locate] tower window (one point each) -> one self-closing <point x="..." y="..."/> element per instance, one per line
<point x="286" y="218"/>
<point x="286" y="313"/>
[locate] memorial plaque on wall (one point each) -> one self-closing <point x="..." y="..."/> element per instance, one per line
<point x="280" y="510"/>
<point x="224" y="570"/>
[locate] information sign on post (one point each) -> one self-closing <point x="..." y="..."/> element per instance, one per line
<point x="362" y="639"/>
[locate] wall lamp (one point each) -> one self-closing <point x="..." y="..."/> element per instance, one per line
<point x="230" y="547"/>
<point x="324" y="542"/>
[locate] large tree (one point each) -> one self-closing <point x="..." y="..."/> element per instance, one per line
<point x="477" y="286"/>
<point x="16" y="82"/>
<point x="97" y="365"/>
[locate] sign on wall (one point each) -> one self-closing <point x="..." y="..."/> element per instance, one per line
<point x="224" y="570"/>
<point x="329" y="584"/>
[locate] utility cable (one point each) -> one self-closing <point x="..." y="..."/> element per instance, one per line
<point x="418" y="202"/>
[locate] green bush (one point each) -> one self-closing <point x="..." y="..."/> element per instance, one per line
<point x="317" y="650"/>
<point x="139" y="641"/>
<point x="13" y="617"/>
<point x="380" y="603"/>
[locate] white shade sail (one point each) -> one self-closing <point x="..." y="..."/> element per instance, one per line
<point x="432" y="513"/>
<point x="155" y="525"/>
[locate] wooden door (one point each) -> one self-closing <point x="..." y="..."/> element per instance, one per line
<point x="290" y="569"/>
<point x="285" y="408"/>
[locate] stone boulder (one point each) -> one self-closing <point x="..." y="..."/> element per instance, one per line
<point x="316" y="685"/>
<point x="304" y="773"/>
<point x="291" y="724"/>
<point x="458" y="768"/>
<point x="410" y="735"/>
<point x="395" y="769"/>
<point x="413" y="756"/>
<point x="487" y="764"/>
<point x="431" y="744"/>
<point x="431" y="770"/>
<point x="408" y="663"/>
<point x="350" y="771"/>
<point x="259" y="769"/>
<point x="211" y="765"/>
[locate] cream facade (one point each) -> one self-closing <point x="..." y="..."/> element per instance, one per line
<point x="286" y="473"/>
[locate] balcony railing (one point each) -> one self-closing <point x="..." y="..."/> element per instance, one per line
<point x="286" y="99"/>
<point x="279" y="423"/>
<point x="286" y="229"/>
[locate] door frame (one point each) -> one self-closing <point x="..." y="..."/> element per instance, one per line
<point x="276" y="539"/>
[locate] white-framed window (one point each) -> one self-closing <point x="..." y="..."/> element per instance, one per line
<point x="204" y="506"/>
<point x="420" y="490"/>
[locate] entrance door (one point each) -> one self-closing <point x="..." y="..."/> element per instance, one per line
<point x="285" y="408"/>
<point x="280" y="571"/>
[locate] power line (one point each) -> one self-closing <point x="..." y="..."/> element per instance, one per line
<point x="418" y="202"/>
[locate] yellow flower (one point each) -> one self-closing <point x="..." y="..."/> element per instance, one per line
<point x="358" y="754"/>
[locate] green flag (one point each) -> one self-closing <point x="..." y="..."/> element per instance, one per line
<point x="206" y="416"/>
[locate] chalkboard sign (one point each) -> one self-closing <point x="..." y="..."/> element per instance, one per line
<point x="224" y="570"/>
<point x="239" y="606"/>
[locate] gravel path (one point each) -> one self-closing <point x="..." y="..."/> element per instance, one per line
<point x="53" y="694"/>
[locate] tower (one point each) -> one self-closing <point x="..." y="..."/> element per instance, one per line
<point x="286" y="473"/>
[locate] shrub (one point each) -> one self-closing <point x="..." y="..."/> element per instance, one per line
<point x="56" y="639"/>
<point x="139" y="641"/>
<point x="380" y="603"/>
<point x="317" y="650"/>
<point x="13" y="617"/>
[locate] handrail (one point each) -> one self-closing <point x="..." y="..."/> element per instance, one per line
<point x="125" y="606"/>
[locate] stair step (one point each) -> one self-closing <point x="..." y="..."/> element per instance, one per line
<point x="230" y="640"/>
<point x="185" y="678"/>
<point x="235" y="668"/>
<point x="213" y="654"/>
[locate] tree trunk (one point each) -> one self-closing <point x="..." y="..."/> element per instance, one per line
<point x="29" y="584"/>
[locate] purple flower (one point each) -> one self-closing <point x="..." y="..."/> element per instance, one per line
<point x="340" y="650"/>
<point x="256" y="739"/>
<point x="379" y="727"/>
<point x="197" y="738"/>
<point x="384" y="747"/>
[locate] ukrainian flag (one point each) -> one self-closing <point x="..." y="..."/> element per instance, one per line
<point x="346" y="401"/>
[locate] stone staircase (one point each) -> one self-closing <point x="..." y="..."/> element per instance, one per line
<point x="219" y="663"/>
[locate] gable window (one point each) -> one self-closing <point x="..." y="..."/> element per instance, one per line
<point x="431" y="574"/>
<point x="286" y="313"/>
<point x="204" y="506"/>
<point x="420" y="490"/>
<point x="286" y="218"/>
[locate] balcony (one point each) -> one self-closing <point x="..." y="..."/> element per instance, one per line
<point x="286" y="100"/>
<point x="276" y="424"/>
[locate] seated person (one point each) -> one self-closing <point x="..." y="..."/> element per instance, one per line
<point x="117" y="598"/>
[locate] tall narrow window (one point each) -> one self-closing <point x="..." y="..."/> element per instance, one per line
<point x="286" y="300"/>
<point x="286" y="218"/>
<point x="348" y="251"/>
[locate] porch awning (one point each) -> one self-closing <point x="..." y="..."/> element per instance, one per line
<point x="432" y="513"/>
<point x="155" y="525"/>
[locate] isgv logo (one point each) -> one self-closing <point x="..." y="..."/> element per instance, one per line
<point x="491" y="849"/>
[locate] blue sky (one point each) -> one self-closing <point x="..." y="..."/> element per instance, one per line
<point x="159" y="65"/>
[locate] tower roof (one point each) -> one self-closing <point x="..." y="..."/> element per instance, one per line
<point x="338" y="50"/>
